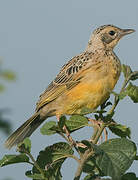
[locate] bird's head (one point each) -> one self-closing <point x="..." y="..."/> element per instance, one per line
<point x="106" y="37"/>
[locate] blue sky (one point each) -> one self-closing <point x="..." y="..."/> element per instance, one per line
<point x="37" y="38"/>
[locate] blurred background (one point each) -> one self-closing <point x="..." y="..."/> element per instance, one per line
<point x="36" y="38"/>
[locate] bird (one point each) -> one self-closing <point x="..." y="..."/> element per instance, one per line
<point x="84" y="81"/>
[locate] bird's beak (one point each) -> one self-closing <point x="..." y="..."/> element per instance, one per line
<point x="126" y="31"/>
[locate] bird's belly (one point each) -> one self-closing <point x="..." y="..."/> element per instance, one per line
<point x="88" y="94"/>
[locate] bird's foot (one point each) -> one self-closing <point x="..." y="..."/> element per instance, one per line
<point x="70" y="139"/>
<point x="97" y="125"/>
<point x="68" y="136"/>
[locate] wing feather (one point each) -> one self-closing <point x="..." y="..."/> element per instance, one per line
<point x="68" y="77"/>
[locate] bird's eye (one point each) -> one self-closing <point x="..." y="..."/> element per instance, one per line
<point x="112" y="33"/>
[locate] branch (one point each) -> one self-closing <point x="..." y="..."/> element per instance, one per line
<point x="116" y="100"/>
<point x="70" y="143"/>
<point x="84" y="158"/>
<point x="99" y="133"/>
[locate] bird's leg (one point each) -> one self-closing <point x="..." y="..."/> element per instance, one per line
<point x="97" y="125"/>
<point x="67" y="133"/>
<point x="106" y="134"/>
<point x="69" y="138"/>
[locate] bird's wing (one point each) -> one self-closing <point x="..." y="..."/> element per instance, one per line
<point x="68" y="77"/>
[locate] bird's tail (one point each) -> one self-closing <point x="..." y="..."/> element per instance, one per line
<point x="25" y="130"/>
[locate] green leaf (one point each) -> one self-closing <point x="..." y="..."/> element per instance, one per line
<point x="90" y="177"/>
<point x="62" y="122"/>
<point x="51" y="159"/>
<point x="89" y="167"/>
<point x="27" y="143"/>
<point x="8" y="75"/>
<point x="108" y="117"/>
<point x="132" y="92"/>
<point x="2" y="88"/>
<point x="88" y="144"/>
<point x="47" y="128"/>
<point x="118" y="155"/>
<point x="33" y="176"/>
<point x="4" y="125"/>
<point x="129" y="176"/>
<point x="120" y="130"/>
<point x="136" y="158"/>
<point x="91" y="146"/>
<point x="24" y="146"/>
<point x="96" y="116"/>
<point x="122" y="95"/>
<point x="76" y="122"/>
<point x="12" y="159"/>
<point x="126" y="70"/>
<point x="56" y="152"/>
<point x="134" y="76"/>
<point x="105" y="104"/>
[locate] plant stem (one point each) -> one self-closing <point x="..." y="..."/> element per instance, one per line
<point x="94" y="133"/>
<point x="116" y="101"/>
<point x="60" y="133"/>
<point x="125" y="83"/>
<point x="31" y="163"/>
<point x="74" y="157"/>
<point x="84" y="158"/>
<point x="78" y="172"/>
<point x="99" y="133"/>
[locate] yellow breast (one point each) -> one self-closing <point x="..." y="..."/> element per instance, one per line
<point x="91" y="92"/>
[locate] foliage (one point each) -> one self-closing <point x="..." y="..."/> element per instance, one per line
<point x="5" y="126"/>
<point x="5" y="75"/>
<point x="111" y="158"/>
